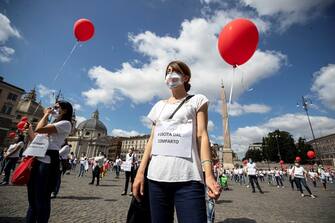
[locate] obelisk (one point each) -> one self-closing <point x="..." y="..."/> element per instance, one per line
<point x="227" y="152"/>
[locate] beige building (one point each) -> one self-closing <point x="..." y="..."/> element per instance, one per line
<point x="30" y="108"/>
<point x="137" y="143"/>
<point x="325" y="149"/>
<point x="9" y="98"/>
<point x="90" y="137"/>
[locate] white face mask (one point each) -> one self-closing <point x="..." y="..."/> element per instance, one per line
<point x="173" y="80"/>
<point x="54" y="115"/>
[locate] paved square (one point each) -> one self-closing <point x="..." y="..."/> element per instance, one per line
<point x="80" y="202"/>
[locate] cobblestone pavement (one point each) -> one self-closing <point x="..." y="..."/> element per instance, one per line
<point x="80" y="202"/>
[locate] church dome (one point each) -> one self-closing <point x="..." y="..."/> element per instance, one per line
<point x="93" y="124"/>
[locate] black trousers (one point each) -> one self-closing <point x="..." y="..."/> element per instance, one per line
<point x="253" y="180"/>
<point x="96" y="174"/>
<point x="130" y="175"/>
<point x="9" y="166"/>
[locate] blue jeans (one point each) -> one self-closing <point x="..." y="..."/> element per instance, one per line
<point x="187" y="197"/>
<point x="39" y="193"/>
<point x="82" y="170"/>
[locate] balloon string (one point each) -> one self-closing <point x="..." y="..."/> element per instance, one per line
<point x="229" y="104"/>
<point x="66" y="60"/>
<point x="231" y="88"/>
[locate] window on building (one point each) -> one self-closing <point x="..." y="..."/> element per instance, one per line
<point x="87" y="133"/>
<point x="6" y="109"/>
<point x="12" y="97"/>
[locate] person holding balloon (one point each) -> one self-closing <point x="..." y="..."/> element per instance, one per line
<point x="12" y="156"/>
<point x="178" y="150"/>
<point x="299" y="174"/>
<point x="56" y="125"/>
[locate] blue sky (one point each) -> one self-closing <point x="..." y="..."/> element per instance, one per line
<point x="121" y="69"/>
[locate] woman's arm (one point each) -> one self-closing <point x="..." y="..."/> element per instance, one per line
<point x="138" y="185"/>
<point x="205" y="152"/>
<point x="43" y="126"/>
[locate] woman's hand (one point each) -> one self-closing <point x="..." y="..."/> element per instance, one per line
<point x="214" y="189"/>
<point x="138" y="186"/>
<point x="47" y="111"/>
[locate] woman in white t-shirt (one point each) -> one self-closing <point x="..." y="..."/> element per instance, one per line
<point x="56" y="123"/>
<point x="179" y="150"/>
<point x="12" y="156"/>
<point x="299" y="174"/>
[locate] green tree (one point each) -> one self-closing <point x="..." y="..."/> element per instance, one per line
<point x="255" y="154"/>
<point x="302" y="149"/>
<point x="279" y="145"/>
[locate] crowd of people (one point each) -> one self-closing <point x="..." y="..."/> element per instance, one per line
<point x="296" y="175"/>
<point x="177" y="172"/>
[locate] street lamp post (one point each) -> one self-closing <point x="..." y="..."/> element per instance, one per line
<point x="276" y="136"/>
<point x="305" y="102"/>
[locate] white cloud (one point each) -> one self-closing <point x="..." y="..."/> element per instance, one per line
<point x="197" y="46"/>
<point x="146" y="122"/>
<point x="45" y="92"/>
<point x="80" y="119"/>
<point x="124" y="133"/>
<point x="296" y="124"/>
<point x="210" y="125"/>
<point x="6" y="32"/>
<point x="77" y="107"/>
<point x="236" y="109"/>
<point x="324" y="85"/>
<point x="288" y="12"/>
<point x="6" y="54"/>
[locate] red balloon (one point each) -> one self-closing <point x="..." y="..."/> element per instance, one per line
<point x="238" y="41"/>
<point x="298" y="158"/>
<point x="11" y="135"/>
<point x="83" y="29"/>
<point x="281" y="161"/>
<point x="311" y="154"/>
<point x="21" y="125"/>
<point x="24" y="119"/>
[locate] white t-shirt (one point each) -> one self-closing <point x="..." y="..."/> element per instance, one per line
<point x="131" y="159"/>
<point x="251" y="168"/>
<point x="240" y="171"/>
<point x="172" y="168"/>
<point x="118" y="162"/>
<point x="56" y="140"/>
<point x="298" y="172"/>
<point x="12" y="147"/>
<point x="64" y="152"/>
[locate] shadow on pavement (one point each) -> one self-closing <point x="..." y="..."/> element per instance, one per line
<point x="12" y="219"/>
<point x="106" y="185"/>
<point x="110" y="200"/>
<point x="238" y="220"/>
<point x="224" y="201"/>
<point x="78" y="198"/>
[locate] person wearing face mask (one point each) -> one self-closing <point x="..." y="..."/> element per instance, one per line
<point x="178" y="150"/>
<point x="299" y="174"/>
<point x="56" y="123"/>
<point x="252" y="174"/>
<point x="12" y="156"/>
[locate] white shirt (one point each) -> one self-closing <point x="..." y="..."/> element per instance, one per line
<point x="240" y="171"/>
<point x="131" y="159"/>
<point x="251" y="168"/>
<point x="118" y="162"/>
<point x="64" y="152"/>
<point x="12" y="148"/>
<point x="56" y="140"/>
<point x="172" y="168"/>
<point x="298" y="172"/>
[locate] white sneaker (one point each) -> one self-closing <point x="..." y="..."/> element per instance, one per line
<point x="302" y="195"/>
<point x="312" y="196"/>
<point x="278" y="186"/>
